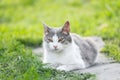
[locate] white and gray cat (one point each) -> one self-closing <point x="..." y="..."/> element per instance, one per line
<point x="67" y="50"/>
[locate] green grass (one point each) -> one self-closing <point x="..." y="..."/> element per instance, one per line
<point x="21" y="26"/>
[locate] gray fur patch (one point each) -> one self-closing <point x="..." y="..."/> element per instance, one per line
<point x="49" y="35"/>
<point x="67" y="38"/>
<point x="52" y="31"/>
<point x="88" y="49"/>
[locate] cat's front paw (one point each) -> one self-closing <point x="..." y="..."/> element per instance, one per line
<point x="63" y="68"/>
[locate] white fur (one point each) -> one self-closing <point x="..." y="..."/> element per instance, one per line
<point x="69" y="57"/>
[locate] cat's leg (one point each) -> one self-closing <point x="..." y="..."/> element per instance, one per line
<point x="71" y="67"/>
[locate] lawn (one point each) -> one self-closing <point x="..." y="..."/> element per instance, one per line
<point x="21" y="29"/>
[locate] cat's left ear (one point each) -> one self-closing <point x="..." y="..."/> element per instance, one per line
<point x="66" y="28"/>
<point x="46" y="28"/>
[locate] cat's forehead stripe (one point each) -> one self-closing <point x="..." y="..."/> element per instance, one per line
<point x="55" y="38"/>
<point x="56" y="33"/>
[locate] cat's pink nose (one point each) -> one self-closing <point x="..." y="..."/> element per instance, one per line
<point x="55" y="46"/>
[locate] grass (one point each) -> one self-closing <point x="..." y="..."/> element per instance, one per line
<point x="21" y="26"/>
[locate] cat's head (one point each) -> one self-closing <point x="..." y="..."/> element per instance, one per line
<point x="57" y="38"/>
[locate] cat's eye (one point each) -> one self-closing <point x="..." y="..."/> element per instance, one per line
<point x="50" y="40"/>
<point x="61" y="39"/>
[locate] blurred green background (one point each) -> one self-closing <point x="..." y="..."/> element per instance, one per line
<point x="21" y="26"/>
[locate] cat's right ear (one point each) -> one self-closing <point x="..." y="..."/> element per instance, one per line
<point x="66" y="28"/>
<point x="46" y="28"/>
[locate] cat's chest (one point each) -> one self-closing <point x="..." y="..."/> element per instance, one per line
<point x="69" y="55"/>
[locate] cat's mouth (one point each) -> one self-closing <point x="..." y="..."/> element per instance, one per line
<point x="57" y="50"/>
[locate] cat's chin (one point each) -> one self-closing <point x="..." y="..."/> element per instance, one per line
<point x="56" y="50"/>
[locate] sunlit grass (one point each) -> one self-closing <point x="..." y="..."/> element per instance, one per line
<point x="21" y="26"/>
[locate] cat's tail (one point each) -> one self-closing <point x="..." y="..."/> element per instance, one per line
<point x="98" y="42"/>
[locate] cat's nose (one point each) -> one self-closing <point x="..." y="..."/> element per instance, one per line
<point x="55" y="46"/>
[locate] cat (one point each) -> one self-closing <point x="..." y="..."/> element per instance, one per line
<point x="68" y="50"/>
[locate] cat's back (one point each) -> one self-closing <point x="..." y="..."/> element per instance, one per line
<point x="87" y="47"/>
